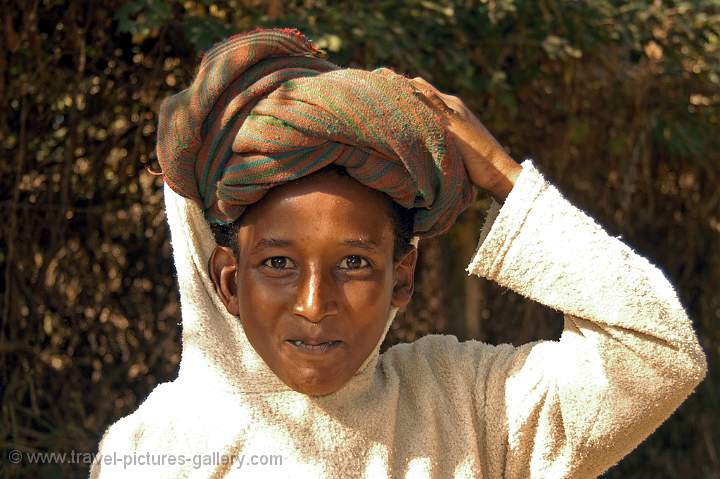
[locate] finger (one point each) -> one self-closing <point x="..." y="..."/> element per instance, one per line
<point x="433" y="100"/>
<point x="421" y="82"/>
<point x="431" y="96"/>
<point x="450" y="100"/>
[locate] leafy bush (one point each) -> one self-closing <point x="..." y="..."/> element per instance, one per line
<point x="617" y="101"/>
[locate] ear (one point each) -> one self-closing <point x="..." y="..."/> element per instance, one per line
<point x="404" y="279"/>
<point x="222" y="267"/>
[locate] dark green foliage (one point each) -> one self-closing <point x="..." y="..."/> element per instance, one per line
<point x="616" y="101"/>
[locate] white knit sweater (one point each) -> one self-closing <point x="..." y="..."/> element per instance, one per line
<point x="627" y="358"/>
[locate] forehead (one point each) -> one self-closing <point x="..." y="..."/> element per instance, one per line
<point x="321" y="206"/>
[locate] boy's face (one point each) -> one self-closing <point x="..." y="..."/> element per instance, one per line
<point x="314" y="279"/>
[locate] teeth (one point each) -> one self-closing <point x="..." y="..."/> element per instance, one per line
<point x="298" y="342"/>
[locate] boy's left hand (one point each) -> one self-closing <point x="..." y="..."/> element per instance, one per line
<point x="488" y="165"/>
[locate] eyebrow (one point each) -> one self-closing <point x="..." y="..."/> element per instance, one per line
<point x="270" y="243"/>
<point x="364" y="244"/>
<point x="368" y="244"/>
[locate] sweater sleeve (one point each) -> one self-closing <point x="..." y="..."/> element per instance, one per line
<point x="627" y="357"/>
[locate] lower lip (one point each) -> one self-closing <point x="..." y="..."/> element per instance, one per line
<point x="316" y="349"/>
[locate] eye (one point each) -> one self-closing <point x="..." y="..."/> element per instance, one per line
<point x="354" y="262"/>
<point x="278" y="262"/>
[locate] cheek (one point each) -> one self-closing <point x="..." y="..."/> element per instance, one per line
<point x="368" y="299"/>
<point x="254" y="291"/>
<point x="261" y="305"/>
<point x="367" y="293"/>
<point x="260" y="298"/>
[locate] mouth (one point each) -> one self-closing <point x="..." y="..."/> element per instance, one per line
<point x="314" y="347"/>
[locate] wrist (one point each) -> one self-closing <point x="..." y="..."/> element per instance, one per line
<point x="505" y="181"/>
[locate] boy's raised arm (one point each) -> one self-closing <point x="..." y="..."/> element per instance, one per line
<point x="627" y="358"/>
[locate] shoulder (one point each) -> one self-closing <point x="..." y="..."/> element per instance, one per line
<point x="442" y="349"/>
<point x="127" y="433"/>
<point x="443" y="358"/>
<point x="136" y="433"/>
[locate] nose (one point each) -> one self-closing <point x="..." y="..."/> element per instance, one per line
<point x="315" y="296"/>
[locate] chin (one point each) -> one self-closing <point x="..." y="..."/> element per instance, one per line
<point x="319" y="392"/>
<point x="314" y="386"/>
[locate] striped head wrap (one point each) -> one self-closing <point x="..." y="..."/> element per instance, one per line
<point x="266" y="108"/>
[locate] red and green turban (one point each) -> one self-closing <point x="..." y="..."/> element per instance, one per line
<point x="266" y="108"/>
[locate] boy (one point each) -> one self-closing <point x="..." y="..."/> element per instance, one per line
<point x="299" y="170"/>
